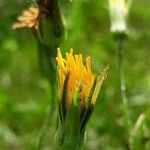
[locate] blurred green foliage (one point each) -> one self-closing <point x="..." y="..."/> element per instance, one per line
<point x="25" y="92"/>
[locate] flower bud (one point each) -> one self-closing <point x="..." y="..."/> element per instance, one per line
<point x="118" y="10"/>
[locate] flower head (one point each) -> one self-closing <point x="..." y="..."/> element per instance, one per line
<point x="28" y="19"/>
<point x="78" y="74"/>
<point x="118" y="10"/>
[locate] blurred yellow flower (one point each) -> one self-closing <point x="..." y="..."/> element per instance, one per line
<point x="78" y="73"/>
<point x="28" y="19"/>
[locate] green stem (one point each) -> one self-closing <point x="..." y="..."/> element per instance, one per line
<point x="122" y="82"/>
<point x="50" y="34"/>
<point x="45" y="54"/>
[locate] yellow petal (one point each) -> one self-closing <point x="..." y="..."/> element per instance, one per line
<point x="79" y="73"/>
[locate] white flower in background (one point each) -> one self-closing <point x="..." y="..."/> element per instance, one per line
<point x="118" y="10"/>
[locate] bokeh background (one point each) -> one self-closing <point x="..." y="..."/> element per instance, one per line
<point x="25" y="92"/>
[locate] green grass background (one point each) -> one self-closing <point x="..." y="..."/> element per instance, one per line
<point x="25" y="92"/>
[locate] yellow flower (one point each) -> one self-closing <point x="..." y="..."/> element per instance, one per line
<point x="78" y="74"/>
<point x="28" y="19"/>
<point x="78" y="88"/>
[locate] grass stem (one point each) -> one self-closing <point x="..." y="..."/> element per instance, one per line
<point x="122" y="82"/>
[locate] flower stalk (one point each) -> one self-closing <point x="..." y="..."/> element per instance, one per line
<point x="119" y="10"/>
<point x="51" y="24"/>
<point x="122" y="83"/>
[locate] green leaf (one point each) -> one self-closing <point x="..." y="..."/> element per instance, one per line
<point x="63" y="104"/>
<point x="100" y="82"/>
<point x="137" y="133"/>
<point x="86" y="109"/>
